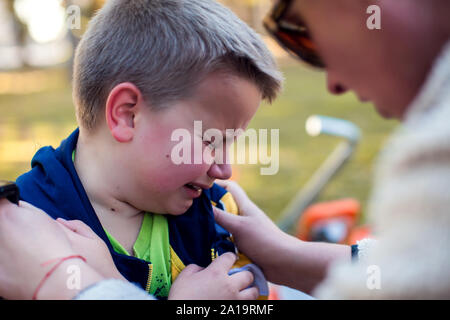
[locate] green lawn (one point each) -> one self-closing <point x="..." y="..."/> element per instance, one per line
<point x="300" y="155"/>
<point x="30" y="121"/>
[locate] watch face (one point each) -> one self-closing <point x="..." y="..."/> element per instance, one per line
<point x="9" y="191"/>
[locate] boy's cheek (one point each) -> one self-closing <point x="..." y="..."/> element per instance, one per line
<point x="186" y="173"/>
<point x="175" y="176"/>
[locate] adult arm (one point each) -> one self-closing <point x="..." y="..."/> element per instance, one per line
<point x="29" y="238"/>
<point x="284" y="259"/>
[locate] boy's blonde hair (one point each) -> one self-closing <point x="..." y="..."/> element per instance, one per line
<point x="165" y="47"/>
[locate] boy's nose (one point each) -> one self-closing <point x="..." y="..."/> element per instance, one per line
<point x="220" y="171"/>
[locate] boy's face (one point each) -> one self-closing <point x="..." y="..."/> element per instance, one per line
<point x="158" y="184"/>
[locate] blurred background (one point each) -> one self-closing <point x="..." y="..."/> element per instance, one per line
<point x="36" y="51"/>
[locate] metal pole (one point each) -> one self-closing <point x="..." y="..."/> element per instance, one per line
<point x="317" y="125"/>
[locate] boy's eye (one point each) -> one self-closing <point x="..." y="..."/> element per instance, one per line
<point x="209" y="144"/>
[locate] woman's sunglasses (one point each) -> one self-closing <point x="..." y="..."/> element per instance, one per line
<point x="295" y="38"/>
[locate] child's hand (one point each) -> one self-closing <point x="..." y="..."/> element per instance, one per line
<point x="213" y="282"/>
<point x="84" y="241"/>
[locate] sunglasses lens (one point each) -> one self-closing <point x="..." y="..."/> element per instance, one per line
<point x="299" y="45"/>
<point x="294" y="37"/>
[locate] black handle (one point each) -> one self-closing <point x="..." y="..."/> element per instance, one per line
<point x="10" y="191"/>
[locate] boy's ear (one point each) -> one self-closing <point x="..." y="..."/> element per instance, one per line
<point x="121" y="107"/>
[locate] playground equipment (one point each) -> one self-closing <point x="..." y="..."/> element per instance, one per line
<point x="334" y="221"/>
<point x="315" y="126"/>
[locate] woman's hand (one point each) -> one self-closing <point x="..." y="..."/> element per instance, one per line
<point x="28" y="238"/>
<point x="86" y="242"/>
<point x="253" y="231"/>
<point x="284" y="259"/>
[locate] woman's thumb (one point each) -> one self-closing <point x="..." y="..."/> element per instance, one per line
<point x="227" y="220"/>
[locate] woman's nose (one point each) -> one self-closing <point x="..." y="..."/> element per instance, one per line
<point x="334" y="86"/>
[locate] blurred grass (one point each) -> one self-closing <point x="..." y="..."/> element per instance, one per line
<point x="30" y="121"/>
<point x="305" y="94"/>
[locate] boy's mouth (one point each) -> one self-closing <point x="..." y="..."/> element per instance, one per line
<point x="191" y="186"/>
<point x="192" y="191"/>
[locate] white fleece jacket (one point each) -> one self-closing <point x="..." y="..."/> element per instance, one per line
<point x="409" y="207"/>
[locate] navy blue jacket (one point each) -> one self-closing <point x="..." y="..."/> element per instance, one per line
<point x="54" y="186"/>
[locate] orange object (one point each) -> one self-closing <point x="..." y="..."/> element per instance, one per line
<point x="273" y="292"/>
<point x="345" y="211"/>
<point x="358" y="234"/>
<point x="235" y="176"/>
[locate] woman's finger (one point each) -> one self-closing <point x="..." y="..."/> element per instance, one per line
<point x="69" y="232"/>
<point x="79" y="227"/>
<point x="243" y="202"/>
<point x="230" y="222"/>
<point x="29" y="206"/>
<point x="223" y="183"/>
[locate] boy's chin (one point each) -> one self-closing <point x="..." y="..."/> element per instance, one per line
<point x="181" y="208"/>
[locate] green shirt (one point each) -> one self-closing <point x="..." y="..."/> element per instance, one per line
<point x="152" y="245"/>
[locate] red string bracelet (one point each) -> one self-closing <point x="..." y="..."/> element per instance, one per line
<point x="49" y="273"/>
